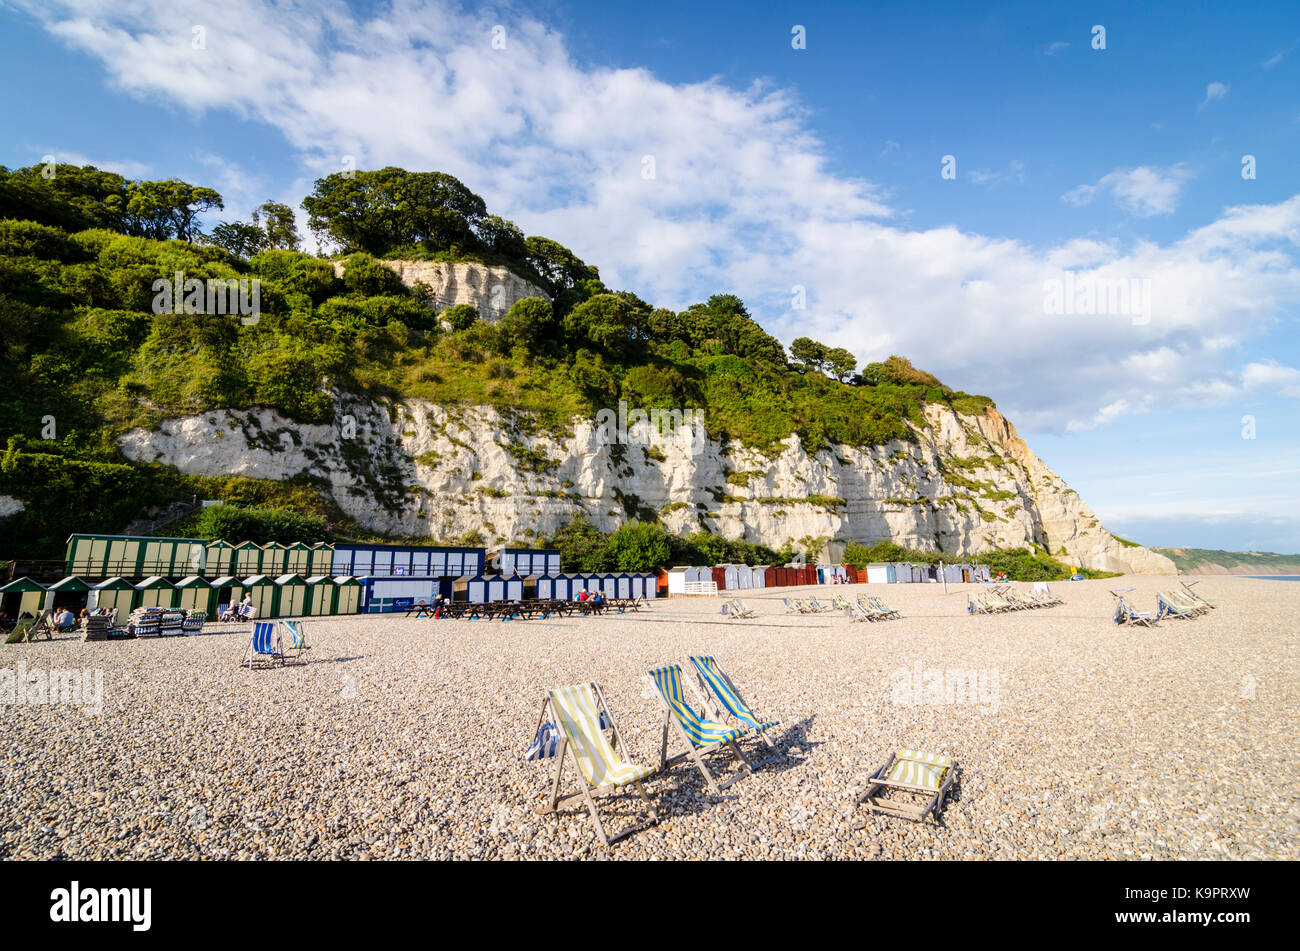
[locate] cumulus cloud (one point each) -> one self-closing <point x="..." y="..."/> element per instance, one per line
<point x="1059" y="46"/>
<point x="743" y="197"/>
<point x="1143" y="191"/>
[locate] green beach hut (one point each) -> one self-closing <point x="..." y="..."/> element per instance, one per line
<point x="196" y="594"/>
<point x="155" y="592"/>
<point x="117" y="594"/>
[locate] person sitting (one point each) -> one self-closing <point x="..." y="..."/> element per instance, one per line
<point x="582" y="597"/>
<point x="64" y="620"/>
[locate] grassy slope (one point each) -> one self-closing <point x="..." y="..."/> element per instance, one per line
<point x="1193" y="560"/>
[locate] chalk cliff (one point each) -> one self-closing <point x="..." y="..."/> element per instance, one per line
<point x="412" y="468"/>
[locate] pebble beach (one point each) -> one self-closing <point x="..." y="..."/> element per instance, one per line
<point x="404" y="738"/>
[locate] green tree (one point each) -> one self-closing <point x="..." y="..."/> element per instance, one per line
<point x="460" y="316"/>
<point x="163" y="210"/>
<point x="808" y="354"/>
<point x="279" y="224"/>
<point x="581" y="546"/>
<point x="529" y="322"/>
<point x="841" y="363"/>
<point x="639" y="546"/>
<point x="241" y="239"/>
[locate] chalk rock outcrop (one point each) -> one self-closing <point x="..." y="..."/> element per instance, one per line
<point x="968" y="484"/>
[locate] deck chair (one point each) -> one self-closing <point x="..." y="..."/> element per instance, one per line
<point x="43" y="626"/>
<point x="1188" y="585"/>
<point x="297" y="642"/>
<point x="791" y="607"/>
<point x="580" y="714"/>
<point x="735" y="608"/>
<point x="911" y="785"/>
<point x="1125" y="614"/>
<point x="1168" y="607"/>
<point x="839" y="601"/>
<point x="861" y="611"/>
<point x="698" y="733"/>
<point x="885" y="610"/>
<point x="265" y="646"/>
<point x="713" y="681"/>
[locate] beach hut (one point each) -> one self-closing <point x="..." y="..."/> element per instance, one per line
<point x="651" y="589"/>
<point x="471" y="588"/>
<point x="347" y="599"/>
<point x="155" y="592"/>
<point x="227" y="590"/>
<point x="218" y="559"/>
<point x="297" y="559"/>
<point x="851" y="572"/>
<point x="320" y="560"/>
<point x="730" y="576"/>
<point x="116" y="594"/>
<point x="71" y="593"/>
<point x="264" y="592"/>
<point x="247" y="559"/>
<point x="880" y="573"/>
<point x="530" y="586"/>
<point x="676" y="578"/>
<point x="716" y="574"/>
<point x="292" y="600"/>
<point x="551" y="587"/>
<point x="194" y="593"/>
<point x="496" y="588"/>
<point x="622" y="584"/>
<point x="515" y="588"/>
<point x="98" y="556"/>
<point x="274" y="557"/>
<point x="322" y="595"/>
<point x="22" y="596"/>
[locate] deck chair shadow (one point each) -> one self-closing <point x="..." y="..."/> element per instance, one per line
<point x="265" y="646"/>
<point x="721" y="700"/>
<point x="580" y="716"/>
<point x="701" y="735"/>
<point x="912" y="785"/>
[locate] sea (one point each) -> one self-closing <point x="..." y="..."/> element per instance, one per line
<point x="1275" y="577"/>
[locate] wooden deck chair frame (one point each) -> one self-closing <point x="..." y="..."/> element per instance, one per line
<point x="590" y="793"/>
<point x="692" y="752"/>
<point x="712" y="704"/>
<point x="917" y="811"/>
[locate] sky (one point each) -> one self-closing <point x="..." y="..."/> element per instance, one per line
<point x="1090" y="213"/>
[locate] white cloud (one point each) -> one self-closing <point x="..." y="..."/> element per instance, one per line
<point x="1058" y="47"/>
<point x="1213" y="93"/>
<point x="1143" y="191"/>
<point x="1014" y="172"/>
<point x="743" y="198"/>
<point x="1272" y="376"/>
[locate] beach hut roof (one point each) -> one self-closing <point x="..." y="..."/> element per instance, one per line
<point x="345" y="579"/>
<point x="157" y="581"/>
<point x="115" y="584"/>
<point x="23" y="584"/>
<point x="318" y="579"/>
<point x="223" y="581"/>
<point x="71" y="583"/>
<point x="259" y="579"/>
<point x="289" y="578"/>
<point x="194" y="581"/>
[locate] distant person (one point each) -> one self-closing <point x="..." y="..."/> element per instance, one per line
<point x="64" y="620"/>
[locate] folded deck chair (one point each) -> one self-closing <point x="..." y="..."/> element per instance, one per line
<point x="880" y="605"/>
<point x="713" y="681"/>
<point x="265" y="646"/>
<point x="911" y="785"/>
<point x="861" y="611"/>
<point x="581" y="714"/>
<point x="1168" y="607"/>
<point x="735" y="608"/>
<point x="297" y="640"/>
<point x="699" y="734"/>
<point x="791" y="607"/>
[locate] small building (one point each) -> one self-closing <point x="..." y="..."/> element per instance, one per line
<point x="22" y="596"/>
<point x="322" y="595"/>
<point x="471" y="588"/>
<point x="71" y="593"/>
<point x="347" y="598"/>
<point x="880" y="573"/>
<point x="321" y="561"/>
<point x="155" y="592"/>
<point x="525" y="561"/>
<point x="247" y="559"/>
<point x="226" y="590"/>
<point x="297" y="559"/>
<point x="114" y="594"/>
<point x="676" y="578"/>
<point x="196" y="594"/>
<point x="218" y="559"/>
<point x="292" y="600"/>
<point x="274" y="559"/>
<point x="133" y="556"/>
<point x="265" y="593"/>
<point x="553" y="587"/>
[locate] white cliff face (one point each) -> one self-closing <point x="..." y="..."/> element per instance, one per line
<point x="969" y="483"/>
<point x="493" y="290"/>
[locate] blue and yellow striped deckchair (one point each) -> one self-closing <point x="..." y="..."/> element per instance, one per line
<point x="923" y="779"/>
<point x="297" y="639"/>
<point x="713" y="680"/>
<point x="581" y="713"/>
<point x="698" y="732"/>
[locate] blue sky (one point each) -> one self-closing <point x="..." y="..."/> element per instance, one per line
<point x="819" y="168"/>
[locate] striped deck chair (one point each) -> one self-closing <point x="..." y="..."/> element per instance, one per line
<point x="581" y="713"/>
<point x="911" y="785"/>
<point x="860" y="611"/>
<point x="265" y="647"/>
<point x="1124" y="613"/>
<point x="713" y="680"/>
<point x="1168" y="607"/>
<point x="735" y="608"/>
<point x="1187" y="587"/>
<point x="791" y="607"/>
<point x="839" y="602"/>
<point x="886" y="611"/>
<point x="297" y="640"/>
<point x="699" y="733"/>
